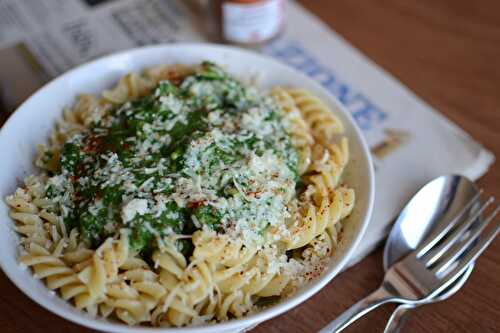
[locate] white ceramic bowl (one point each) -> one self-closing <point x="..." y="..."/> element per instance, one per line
<point x="34" y="120"/>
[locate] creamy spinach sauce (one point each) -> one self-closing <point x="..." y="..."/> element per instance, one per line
<point x="202" y="151"/>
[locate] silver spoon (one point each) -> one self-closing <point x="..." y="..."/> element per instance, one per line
<point x="436" y="203"/>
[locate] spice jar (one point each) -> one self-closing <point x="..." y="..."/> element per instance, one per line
<point x="250" y="22"/>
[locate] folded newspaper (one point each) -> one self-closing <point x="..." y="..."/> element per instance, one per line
<point x="42" y="39"/>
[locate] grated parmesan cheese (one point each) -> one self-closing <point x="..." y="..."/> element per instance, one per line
<point x="133" y="207"/>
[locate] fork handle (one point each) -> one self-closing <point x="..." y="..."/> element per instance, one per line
<point x="370" y="302"/>
<point x="398" y="318"/>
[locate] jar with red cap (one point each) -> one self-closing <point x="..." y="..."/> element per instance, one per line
<point x="250" y="22"/>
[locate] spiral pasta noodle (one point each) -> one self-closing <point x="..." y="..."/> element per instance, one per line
<point x="323" y="122"/>
<point x="220" y="276"/>
<point x="324" y="202"/>
<point x="44" y="247"/>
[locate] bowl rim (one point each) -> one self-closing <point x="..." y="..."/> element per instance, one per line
<point x="247" y="320"/>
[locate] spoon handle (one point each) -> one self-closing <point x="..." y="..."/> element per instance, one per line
<point x="398" y="318"/>
<point x="356" y="311"/>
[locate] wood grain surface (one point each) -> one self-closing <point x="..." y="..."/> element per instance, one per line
<point x="448" y="53"/>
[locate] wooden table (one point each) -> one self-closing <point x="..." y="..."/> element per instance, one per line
<point x="446" y="51"/>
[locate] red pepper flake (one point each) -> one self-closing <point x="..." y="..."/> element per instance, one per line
<point x="93" y="144"/>
<point x="196" y="204"/>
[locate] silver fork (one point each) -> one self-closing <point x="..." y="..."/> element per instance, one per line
<point x="435" y="264"/>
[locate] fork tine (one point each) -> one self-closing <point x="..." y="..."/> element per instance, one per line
<point x="471" y="256"/>
<point x="460" y="247"/>
<point x="437" y="251"/>
<point x="436" y="236"/>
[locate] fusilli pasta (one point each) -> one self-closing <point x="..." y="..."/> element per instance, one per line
<point x="220" y="277"/>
